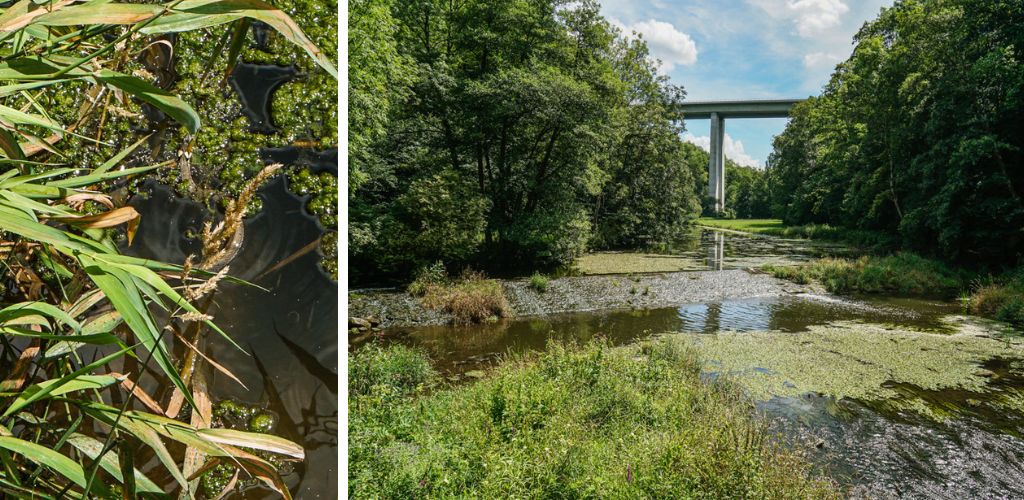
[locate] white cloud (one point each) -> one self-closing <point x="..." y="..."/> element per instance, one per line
<point x="733" y="149"/>
<point x="671" y="46"/>
<point x="816" y="16"/>
<point x="821" y="60"/>
<point x="810" y="17"/>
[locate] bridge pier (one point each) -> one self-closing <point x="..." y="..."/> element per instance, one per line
<point x="716" y="162"/>
<point x="718" y="111"/>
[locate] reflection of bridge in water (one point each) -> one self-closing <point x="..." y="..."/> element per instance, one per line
<point x="717" y="112"/>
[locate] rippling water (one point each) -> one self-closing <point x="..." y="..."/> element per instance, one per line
<point x="289" y="330"/>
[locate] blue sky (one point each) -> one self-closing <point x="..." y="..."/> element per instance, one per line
<point x="739" y="49"/>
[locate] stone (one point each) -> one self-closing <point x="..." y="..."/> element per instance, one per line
<point x="359" y="323"/>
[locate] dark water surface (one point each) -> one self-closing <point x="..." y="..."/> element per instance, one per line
<point x="288" y="330"/>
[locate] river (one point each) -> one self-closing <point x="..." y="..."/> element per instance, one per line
<point x="892" y="397"/>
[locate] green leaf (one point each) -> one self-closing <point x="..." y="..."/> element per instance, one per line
<point x="41" y="308"/>
<point x="141" y="431"/>
<point x="162" y="100"/>
<point x="127" y="299"/>
<point x="99" y="13"/>
<point x="63" y="385"/>
<point x="85" y="180"/>
<point x="49" y="458"/>
<point x="196" y="14"/>
<point x="91" y="448"/>
<point x="256" y="440"/>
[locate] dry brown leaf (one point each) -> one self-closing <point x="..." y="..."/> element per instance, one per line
<point x="22" y="13"/>
<point x="202" y="416"/>
<point x="16" y="379"/>
<point x="139" y="394"/>
<point x="107" y="219"/>
<point x="77" y="200"/>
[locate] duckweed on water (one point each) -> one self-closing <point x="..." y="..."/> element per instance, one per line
<point x="853" y="360"/>
<point x="231" y="414"/>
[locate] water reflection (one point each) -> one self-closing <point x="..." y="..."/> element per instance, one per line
<point x="703" y="249"/>
<point x="716" y="251"/>
<point x="289" y="328"/>
<point x="461" y="348"/>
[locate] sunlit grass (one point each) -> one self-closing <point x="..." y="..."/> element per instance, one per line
<point x="588" y="422"/>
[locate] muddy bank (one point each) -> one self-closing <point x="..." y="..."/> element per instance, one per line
<point x="396" y="308"/>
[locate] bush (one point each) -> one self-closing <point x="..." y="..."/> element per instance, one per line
<point x="434" y="274"/>
<point x="472" y="299"/>
<point x="586" y="422"/>
<point x="539" y="282"/>
<point x="1003" y="301"/>
<point x="395" y="369"/>
<point x="903" y="273"/>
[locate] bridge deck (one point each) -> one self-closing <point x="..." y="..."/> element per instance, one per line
<point x="775" y="108"/>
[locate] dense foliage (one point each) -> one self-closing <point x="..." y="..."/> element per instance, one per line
<point x="99" y="366"/>
<point x="507" y="134"/>
<point x="587" y="422"/>
<point x="919" y="134"/>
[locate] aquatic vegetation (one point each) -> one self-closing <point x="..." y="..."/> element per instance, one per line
<point x="223" y="477"/>
<point x="902" y="273"/>
<point x="854" y="360"/>
<point x="586" y="422"/>
<point x="635" y="262"/>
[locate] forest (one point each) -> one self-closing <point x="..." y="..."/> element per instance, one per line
<point x="512" y="133"/>
<point x="918" y="134"/>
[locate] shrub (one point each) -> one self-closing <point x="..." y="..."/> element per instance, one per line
<point x="472" y="299"/>
<point x="427" y="276"/>
<point x="400" y="369"/>
<point x="903" y="273"/>
<point x="539" y="282"/>
<point x="1003" y="301"/>
<point x="574" y="422"/>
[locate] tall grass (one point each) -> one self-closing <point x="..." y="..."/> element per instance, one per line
<point x="572" y="422"/>
<point x="902" y="273"/>
<point x="472" y="298"/>
<point x="1002" y="298"/>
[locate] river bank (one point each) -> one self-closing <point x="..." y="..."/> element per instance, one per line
<point x="398" y="308"/>
<point x="875" y="391"/>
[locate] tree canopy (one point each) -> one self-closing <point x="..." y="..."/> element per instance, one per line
<point x="507" y="134"/>
<point x="919" y="133"/>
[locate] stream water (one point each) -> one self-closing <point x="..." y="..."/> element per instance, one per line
<point x="894" y="398"/>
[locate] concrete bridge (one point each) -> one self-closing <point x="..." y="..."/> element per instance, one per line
<point x="717" y="112"/>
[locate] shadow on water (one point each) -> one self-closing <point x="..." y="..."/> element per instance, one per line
<point x="289" y="330"/>
<point x="255" y="84"/>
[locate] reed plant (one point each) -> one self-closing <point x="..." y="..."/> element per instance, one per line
<point x="88" y="333"/>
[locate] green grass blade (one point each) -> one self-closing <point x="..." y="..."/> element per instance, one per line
<point x="51" y="459"/>
<point x="127" y="299"/>
<point x="39" y="391"/>
<point x="171" y="104"/>
<point x="91" y="448"/>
